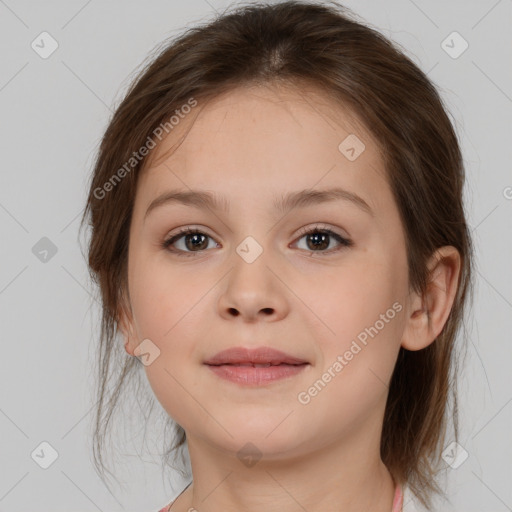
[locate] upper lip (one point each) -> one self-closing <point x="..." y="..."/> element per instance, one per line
<point x="260" y="355"/>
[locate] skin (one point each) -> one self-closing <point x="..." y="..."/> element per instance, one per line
<point x="253" y="144"/>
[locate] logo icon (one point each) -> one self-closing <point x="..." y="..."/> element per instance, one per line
<point x="146" y="351"/>
<point x="351" y="147"/>
<point x="249" y="454"/>
<point x="249" y="250"/>
<point x="44" y="45"/>
<point x="454" y="45"/>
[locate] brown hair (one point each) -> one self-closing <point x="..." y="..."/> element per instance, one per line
<point x="301" y="43"/>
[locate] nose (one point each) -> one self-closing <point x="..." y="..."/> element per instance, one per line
<point x="253" y="292"/>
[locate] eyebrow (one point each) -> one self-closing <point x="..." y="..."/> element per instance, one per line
<point x="302" y="198"/>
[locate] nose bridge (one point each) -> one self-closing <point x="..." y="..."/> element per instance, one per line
<point x="250" y="260"/>
<point x="252" y="288"/>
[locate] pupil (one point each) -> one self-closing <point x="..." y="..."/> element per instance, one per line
<point x="193" y="245"/>
<point x="324" y="236"/>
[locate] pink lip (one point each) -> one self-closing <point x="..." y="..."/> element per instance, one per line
<point x="238" y="365"/>
<point x="260" y="355"/>
<point x="250" y="375"/>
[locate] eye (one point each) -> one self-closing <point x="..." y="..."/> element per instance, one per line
<point x="319" y="237"/>
<point x="193" y="239"/>
<point x="196" y="239"/>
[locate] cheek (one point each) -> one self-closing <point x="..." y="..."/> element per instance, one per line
<point x="361" y="320"/>
<point x="173" y="375"/>
<point x="351" y="382"/>
<point x="162" y="294"/>
<point x="343" y="301"/>
<point x="169" y="306"/>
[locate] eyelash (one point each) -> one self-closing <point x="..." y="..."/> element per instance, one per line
<point x="344" y="242"/>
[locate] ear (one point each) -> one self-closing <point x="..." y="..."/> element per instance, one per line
<point x="127" y="327"/>
<point x="427" y="315"/>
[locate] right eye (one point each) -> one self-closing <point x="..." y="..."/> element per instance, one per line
<point x="193" y="239"/>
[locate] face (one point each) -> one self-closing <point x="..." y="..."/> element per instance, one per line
<point x="252" y="276"/>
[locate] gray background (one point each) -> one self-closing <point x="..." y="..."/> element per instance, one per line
<point x="53" y="113"/>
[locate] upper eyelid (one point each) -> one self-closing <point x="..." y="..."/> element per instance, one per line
<point x="320" y="226"/>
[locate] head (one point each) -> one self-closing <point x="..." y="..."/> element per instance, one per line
<point x="260" y="103"/>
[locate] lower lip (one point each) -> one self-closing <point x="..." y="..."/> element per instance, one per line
<point x="250" y="375"/>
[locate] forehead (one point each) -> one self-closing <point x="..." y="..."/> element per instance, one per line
<point x="259" y="139"/>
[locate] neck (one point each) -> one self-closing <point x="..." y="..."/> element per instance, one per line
<point x="341" y="477"/>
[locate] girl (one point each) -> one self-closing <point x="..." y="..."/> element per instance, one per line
<point x="278" y="234"/>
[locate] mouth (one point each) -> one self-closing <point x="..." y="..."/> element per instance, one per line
<point x="262" y="357"/>
<point x="255" y="367"/>
<point x="256" y="374"/>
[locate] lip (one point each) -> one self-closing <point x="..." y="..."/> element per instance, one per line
<point x="255" y="367"/>
<point x="257" y="376"/>
<point x="260" y="355"/>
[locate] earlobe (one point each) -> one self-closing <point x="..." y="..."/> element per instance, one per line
<point x="428" y="314"/>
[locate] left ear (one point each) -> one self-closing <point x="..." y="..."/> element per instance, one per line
<point x="428" y="314"/>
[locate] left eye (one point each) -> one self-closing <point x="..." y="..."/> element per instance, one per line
<point x="319" y="239"/>
<point x="197" y="239"/>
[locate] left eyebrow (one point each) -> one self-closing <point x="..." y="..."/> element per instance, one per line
<point x="299" y="199"/>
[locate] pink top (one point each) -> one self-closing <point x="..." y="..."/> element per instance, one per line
<point x="397" y="501"/>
